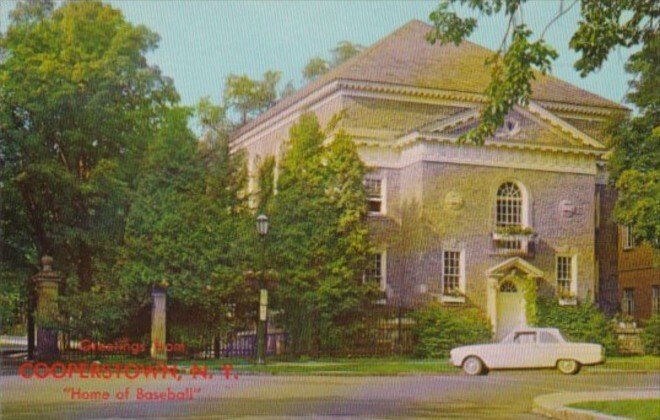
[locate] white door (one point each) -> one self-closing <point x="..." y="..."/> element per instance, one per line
<point x="510" y="309"/>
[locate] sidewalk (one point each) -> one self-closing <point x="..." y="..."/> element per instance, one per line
<point x="554" y="405"/>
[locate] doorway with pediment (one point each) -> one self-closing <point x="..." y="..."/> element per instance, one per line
<point x="506" y="300"/>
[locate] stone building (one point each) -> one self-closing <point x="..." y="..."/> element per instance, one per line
<point x="460" y="223"/>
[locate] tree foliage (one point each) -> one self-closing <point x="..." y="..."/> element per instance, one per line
<point x="318" y="66"/>
<point x="319" y="244"/>
<point x="581" y="323"/>
<point x="603" y="26"/>
<point x="438" y="329"/>
<point x="249" y="97"/>
<point x="187" y="228"/>
<point x="636" y="142"/>
<point x="78" y="102"/>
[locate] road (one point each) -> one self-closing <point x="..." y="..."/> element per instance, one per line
<point x="498" y="395"/>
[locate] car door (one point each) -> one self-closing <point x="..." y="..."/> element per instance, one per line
<point x="550" y="347"/>
<point x="524" y="350"/>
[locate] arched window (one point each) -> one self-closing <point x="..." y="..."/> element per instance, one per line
<point x="508" y="287"/>
<point x="509" y="205"/>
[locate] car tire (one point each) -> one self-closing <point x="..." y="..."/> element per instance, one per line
<point x="473" y="366"/>
<point x="568" y="366"/>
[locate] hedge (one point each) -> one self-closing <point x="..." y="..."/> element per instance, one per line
<point x="651" y="336"/>
<point x="583" y="322"/>
<point x="438" y="329"/>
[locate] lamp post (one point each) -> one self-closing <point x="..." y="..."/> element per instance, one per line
<point x="262" y="230"/>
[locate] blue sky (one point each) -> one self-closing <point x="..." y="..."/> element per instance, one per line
<point x="204" y="41"/>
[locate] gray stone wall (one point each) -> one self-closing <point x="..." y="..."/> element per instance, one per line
<point x="453" y="207"/>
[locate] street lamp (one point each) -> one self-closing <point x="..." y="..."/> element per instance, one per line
<point x="262" y="230"/>
<point x="262" y="225"/>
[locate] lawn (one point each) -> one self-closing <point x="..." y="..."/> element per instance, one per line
<point x="397" y="366"/>
<point x="636" y="409"/>
<point x="333" y="366"/>
<point x="369" y="366"/>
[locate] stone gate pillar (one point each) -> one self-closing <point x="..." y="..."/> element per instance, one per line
<point x="47" y="284"/>
<point x="158" y="317"/>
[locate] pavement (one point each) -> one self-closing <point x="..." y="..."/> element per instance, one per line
<point x="500" y="395"/>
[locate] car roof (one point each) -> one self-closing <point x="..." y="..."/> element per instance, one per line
<point x="534" y="329"/>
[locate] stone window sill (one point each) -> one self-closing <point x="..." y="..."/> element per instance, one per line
<point x="567" y="301"/>
<point x="452" y="299"/>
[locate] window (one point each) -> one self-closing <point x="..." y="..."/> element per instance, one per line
<point x="374" y="188"/>
<point x="509" y="205"/>
<point x="655" y="302"/>
<point x="628" y="304"/>
<point x="566" y="275"/>
<point x="376" y="271"/>
<point x="628" y="238"/>
<point x="548" y="338"/>
<point x="452" y="272"/>
<point x="508" y="287"/>
<point x="525" y="338"/>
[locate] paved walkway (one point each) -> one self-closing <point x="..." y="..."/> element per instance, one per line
<point x="554" y="405"/>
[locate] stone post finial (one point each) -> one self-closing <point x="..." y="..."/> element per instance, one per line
<point x="47" y="263"/>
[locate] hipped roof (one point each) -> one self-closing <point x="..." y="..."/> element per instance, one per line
<point x="406" y="58"/>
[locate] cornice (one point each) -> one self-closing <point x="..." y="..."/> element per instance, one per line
<point x="401" y="92"/>
<point x="416" y="136"/>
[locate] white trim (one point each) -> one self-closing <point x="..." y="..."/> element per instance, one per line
<point x="428" y="151"/>
<point x="517" y="262"/>
<point x="628" y="238"/>
<point x="461" y="269"/>
<point x="383" y="194"/>
<point x="574" y="271"/>
<point x="564" y="126"/>
<point x="383" y="270"/>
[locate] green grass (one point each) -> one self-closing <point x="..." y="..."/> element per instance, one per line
<point x="372" y="366"/>
<point x="636" y="409"/>
<point x="334" y="366"/>
<point x="629" y="363"/>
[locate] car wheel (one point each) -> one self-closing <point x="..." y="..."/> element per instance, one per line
<point x="568" y="367"/>
<point x="473" y="366"/>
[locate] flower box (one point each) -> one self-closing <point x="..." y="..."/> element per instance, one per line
<point x="568" y="301"/>
<point x="512" y="243"/>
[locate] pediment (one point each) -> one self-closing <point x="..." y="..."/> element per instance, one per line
<point x="518" y="263"/>
<point x="531" y="126"/>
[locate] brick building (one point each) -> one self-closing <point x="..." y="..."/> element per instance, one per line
<point x="456" y="222"/>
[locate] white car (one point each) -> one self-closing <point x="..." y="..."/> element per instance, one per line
<point x="528" y="348"/>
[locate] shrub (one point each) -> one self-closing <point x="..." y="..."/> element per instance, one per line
<point x="438" y="329"/>
<point x="583" y="322"/>
<point x="651" y="336"/>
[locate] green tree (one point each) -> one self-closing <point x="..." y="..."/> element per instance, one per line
<point x="318" y="66"/>
<point x="186" y="228"/>
<point x="603" y="26"/>
<point x="249" y="97"/>
<point x="343" y="52"/>
<point x="315" y="67"/>
<point x="319" y="240"/>
<point x="78" y="103"/>
<point x="636" y="142"/>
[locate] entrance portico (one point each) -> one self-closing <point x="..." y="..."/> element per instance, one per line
<point x="506" y="294"/>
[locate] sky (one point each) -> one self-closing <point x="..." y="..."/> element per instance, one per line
<point x="204" y="41"/>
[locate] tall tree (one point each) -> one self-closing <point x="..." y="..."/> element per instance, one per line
<point x="79" y="101"/>
<point x="249" y="97"/>
<point x="603" y="26"/>
<point x="636" y="141"/>
<point x="186" y="227"/>
<point x="319" y="244"/>
<point x="318" y="66"/>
